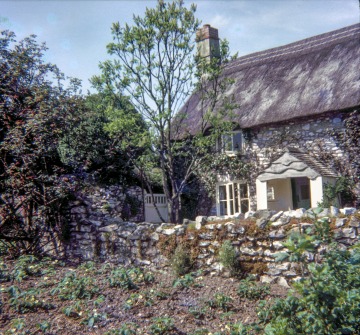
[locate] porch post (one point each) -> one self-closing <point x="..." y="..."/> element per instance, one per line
<point x="261" y="194"/>
<point x="316" y="191"/>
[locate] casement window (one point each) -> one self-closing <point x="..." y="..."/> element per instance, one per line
<point x="233" y="198"/>
<point x="231" y="142"/>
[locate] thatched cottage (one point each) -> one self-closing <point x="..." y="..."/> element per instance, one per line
<point x="299" y="96"/>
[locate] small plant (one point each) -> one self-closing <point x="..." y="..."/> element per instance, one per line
<point x="200" y="332"/>
<point x="73" y="311"/>
<point x="198" y="312"/>
<point x="26" y="301"/>
<point x="16" y="325"/>
<point x="221" y="301"/>
<point x="249" y="289"/>
<point x="92" y="318"/>
<point x="26" y="266"/>
<point x="44" y="326"/>
<point x="185" y="281"/>
<point x="4" y="273"/>
<point x="228" y="257"/>
<point x="72" y="287"/>
<point x="128" y="328"/>
<point x="181" y="261"/>
<point x="161" y="326"/>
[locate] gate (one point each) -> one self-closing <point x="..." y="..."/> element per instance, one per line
<point x="150" y="212"/>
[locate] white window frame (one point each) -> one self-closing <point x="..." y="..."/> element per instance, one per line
<point x="231" y="136"/>
<point x="231" y="198"/>
<point x="270" y="193"/>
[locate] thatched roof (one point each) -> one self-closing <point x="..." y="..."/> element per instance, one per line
<point x="306" y="78"/>
<point x="296" y="163"/>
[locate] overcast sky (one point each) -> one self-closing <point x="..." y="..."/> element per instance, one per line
<point x="77" y="32"/>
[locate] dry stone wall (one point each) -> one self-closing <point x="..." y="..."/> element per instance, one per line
<point x="256" y="237"/>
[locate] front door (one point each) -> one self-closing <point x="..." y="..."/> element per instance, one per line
<point x="301" y="192"/>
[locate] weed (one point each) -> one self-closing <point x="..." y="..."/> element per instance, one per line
<point x="4" y="273"/>
<point x="249" y="289"/>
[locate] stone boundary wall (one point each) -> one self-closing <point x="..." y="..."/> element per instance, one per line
<point x="257" y="238"/>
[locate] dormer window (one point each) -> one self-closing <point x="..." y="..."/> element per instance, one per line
<point x="231" y="142"/>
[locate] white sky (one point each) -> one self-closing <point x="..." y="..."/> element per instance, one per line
<point x="77" y="32"/>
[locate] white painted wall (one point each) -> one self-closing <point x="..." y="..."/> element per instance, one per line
<point x="261" y="194"/>
<point x="283" y="194"/>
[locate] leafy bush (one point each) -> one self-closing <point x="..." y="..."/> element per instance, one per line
<point x="181" y="261"/>
<point x="326" y="302"/>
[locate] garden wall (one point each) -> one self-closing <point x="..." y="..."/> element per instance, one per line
<point x="257" y="238"/>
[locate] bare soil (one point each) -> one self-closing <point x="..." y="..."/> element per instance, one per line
<point x="191" y="306"/>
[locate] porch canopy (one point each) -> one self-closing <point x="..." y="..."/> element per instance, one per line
<point x="296" y="163"/>
<point x="294" y="180"/>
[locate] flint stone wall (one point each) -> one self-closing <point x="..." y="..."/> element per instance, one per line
<point x="257" y="237"/>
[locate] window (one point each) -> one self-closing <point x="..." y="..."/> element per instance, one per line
<point x="232" y="142"/>
<point x="270" y="193"/>
<point x="233" y="198"/>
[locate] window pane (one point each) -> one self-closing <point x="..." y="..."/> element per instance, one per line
<point x="243" y="191"/>
<point x="227" y="142"/>
<point x="231" y="195"/>
<point x="236" y="193"/>
<point x="244" y="206"/>
<point x="237" y="141"/>
<point x="223" y="208"/>
<point x="231" y="207"/>
<point x="222" y="192"/>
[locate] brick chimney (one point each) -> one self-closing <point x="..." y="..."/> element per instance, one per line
<point x="208" y="44"/>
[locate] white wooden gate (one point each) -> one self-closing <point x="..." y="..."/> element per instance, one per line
<point x="151" y="214"/>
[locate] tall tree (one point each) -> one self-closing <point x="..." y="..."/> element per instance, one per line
<point x="154" y="65"/>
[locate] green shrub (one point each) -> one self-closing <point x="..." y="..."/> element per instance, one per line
<point x="228" y="257"/>
<point x="326" y="302"/>
<point x="181" y="261"/>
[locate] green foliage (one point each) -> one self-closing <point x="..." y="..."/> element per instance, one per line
<point x="128" y="328"/>
<point x="74" y="310"/>
<point x="181" y="261"/>
<point x="186" y="281"/>
<point x="228" y="257"/>
<point x="26" y="301"/>
<point x="198" y="312"/>
<point x="34" y="116"/>
<point x="92" y="318"/>
<point x="249" y="289"/>
<point x="71" y="287"/>
<point x="298" y="245"/>
<point x="44" y="326"/>
<point x="28" y="266"/>
<point x="161" y="326"/>
<point x="221" y="301"/>
<point x="128" y="278"/>
<point x="326" y="302"/>
<point x="333" y="193"/>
